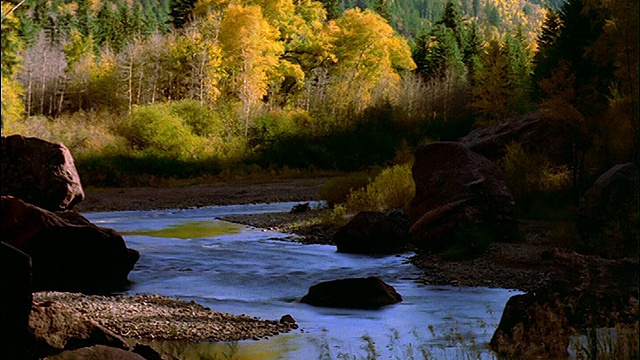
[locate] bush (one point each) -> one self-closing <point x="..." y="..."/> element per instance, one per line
<point x="201" y="120"/>
<point x="392" y="188"/>
<point x="538" y="188"/>
<point x="155" y="128"/>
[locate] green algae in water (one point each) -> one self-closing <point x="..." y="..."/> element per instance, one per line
<point x="192" y="230"/>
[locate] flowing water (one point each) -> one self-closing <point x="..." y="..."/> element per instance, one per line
<point x="191" y="255"/>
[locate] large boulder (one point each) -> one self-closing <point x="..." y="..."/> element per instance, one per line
<point x="371" y="232"/>
<point x="16" y="341"/>
<point x="355" y="293"/>
<point x="460" y="198"/>
<point x="68" y="252"/>
<point x="583" y="292"/>
<point x="40" y="173"/>
<point x="535" y="132"/>
<point x="532" y="326"/>
<point x="97" y="352"/>
<point x="608" y="213"/>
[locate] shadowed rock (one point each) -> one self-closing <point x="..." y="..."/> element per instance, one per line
<point x="68" y="252"/>
<point x="356" y="293"/>
<point x="40" y="173"/>
<point x="372" y="232"/>
<point x="584" y="292"/>
<point x="457" y="190"/>
<point x="16" y="341"/>
<point x="97" y="352"/>
<point x="535" y="132"/>
<point x="608" y="213"/>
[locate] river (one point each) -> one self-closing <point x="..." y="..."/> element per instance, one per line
<point x="191" y="255"/>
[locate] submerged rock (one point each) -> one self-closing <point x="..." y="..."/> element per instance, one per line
<point x="354" y="293"/>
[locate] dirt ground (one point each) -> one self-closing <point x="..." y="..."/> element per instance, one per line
<point x="220" y="193"/>
<point x="505" y="265"/>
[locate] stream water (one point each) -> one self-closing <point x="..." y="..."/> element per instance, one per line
<point x="191" y="255"/>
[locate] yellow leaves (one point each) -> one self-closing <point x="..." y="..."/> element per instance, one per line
<point x="368" y="53"/>
<point x="12" y="107"/>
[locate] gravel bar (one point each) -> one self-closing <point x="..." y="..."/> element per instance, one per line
<point x="160" y="317"/>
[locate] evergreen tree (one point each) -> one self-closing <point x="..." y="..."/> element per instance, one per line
<point x="452" y="19"/>
<point x="332" y="7"/>
<point x="181" y="12"/>
<point x="382" y="8"/>
<point x="517" y="52"/>
<point x="84" y="21"/>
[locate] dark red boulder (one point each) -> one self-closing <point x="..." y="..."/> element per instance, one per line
<point x="40" y="173"/>
<point x="457" y="192"/>
<point x="68" y="252"/>
<point x="371" y="232"/>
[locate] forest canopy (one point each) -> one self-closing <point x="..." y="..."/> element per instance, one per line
<point x="332" y="84"/>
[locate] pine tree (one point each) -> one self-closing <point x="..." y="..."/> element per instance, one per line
<point x="181" y="12"/>
<point x="382" y="8"/>
<point x="332" y="7"/>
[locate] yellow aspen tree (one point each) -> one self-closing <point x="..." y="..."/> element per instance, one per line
<point x="368" y="52"/>
<point x="251" y="51"/>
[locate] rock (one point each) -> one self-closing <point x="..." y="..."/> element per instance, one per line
<point x="460" y="196"/>
<point x="608" y="214"/>
<point x="146" y="352"/>
<point x="300" y="208"/>
<point x="535" y="132"/>
<point x="97" y="352"/>
<point x="57" y="329"/>
<point x="372" y="232"/>
<point x="16" y="341"/>
<point x="355" y="293"/>
<point x="584" y="292"/>
<point x="532" y="326"/>
<point x="40" y="173"/>
<point x="287" y="319"/>
<point x="68" y="252"/>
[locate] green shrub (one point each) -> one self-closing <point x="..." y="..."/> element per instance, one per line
<point x="155" y="128"/>
<point x="392" y="188"/>
<point x="201" y="120"/>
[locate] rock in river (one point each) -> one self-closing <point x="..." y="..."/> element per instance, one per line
<point x="354" y="293"/>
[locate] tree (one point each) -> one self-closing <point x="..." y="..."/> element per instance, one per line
<point x="492" y="90"/>
<point x="368" y="53"/>
<point x="332" y="7"/>
<point x="517" y="51"/>
<point x="11" y="46"/>
<point x="250" y="47"/>
<point x="382" y="8"/>
<point x="181" y="12"/>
